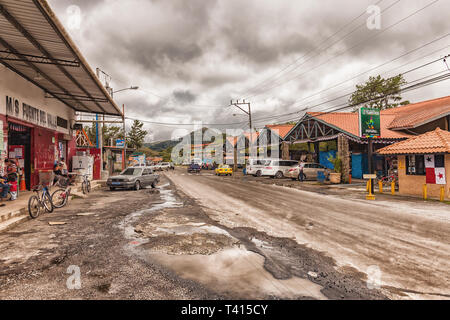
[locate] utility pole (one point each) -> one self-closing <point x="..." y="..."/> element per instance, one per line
<point x="238" y="105"/>
<point x="124" y="151"/>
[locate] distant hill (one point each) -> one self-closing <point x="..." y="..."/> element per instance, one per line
<point x="161" y="145"/>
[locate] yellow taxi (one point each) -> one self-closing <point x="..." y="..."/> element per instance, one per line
<point x="224" y="169"/>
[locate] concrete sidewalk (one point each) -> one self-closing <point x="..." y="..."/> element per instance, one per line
<point x="16" y="212"/>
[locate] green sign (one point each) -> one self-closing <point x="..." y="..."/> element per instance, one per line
<point x="369" y="123"/>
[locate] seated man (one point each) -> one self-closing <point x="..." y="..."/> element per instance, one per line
<point x="12" y="178"/>
<point x="5" y="189"/>
<point x="59" y="176"/>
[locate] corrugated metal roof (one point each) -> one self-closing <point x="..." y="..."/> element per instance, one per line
<point x="30" y="28"/>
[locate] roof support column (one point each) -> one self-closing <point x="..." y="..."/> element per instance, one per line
<point x="344" y="155"/>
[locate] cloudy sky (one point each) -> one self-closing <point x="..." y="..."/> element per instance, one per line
<point x="191" y="57"/>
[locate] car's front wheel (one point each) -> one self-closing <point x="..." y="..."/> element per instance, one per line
<point x="137" y="186"/>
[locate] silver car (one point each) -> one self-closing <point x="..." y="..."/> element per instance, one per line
<point x="133" y="178"/>
<point x="310" y="171"/>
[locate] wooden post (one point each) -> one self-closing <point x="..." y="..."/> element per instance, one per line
<point x="380" y="186"/>
<point x="442" y="195"/>
<point x="425" y="195"/>
<point x="393" y="188"/>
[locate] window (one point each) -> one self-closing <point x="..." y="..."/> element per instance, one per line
<point x="415" y="165"/>
<point x="61" y="122"/>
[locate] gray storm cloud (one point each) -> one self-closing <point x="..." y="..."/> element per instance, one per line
<point x="190" y="58"/>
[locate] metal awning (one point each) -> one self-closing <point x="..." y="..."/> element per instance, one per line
<point x="35" y="45"/>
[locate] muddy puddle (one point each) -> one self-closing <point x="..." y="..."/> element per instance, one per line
<point x="197" y="251"/>
<point x="236" y="270"/>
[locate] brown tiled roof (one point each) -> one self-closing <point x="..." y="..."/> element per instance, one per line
<point x="349" y="122"/>
<point x="281" y="129"/>
<point x="417" y="114"/>
<point x="437" y="141"/>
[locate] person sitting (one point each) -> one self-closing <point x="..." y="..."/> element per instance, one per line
<point x="63" y="179"/>
<point x="5" y="189"/>
<point x="63" y="167"/>
<point x="12" y="177"/>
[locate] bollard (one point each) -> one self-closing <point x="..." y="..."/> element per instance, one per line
<point x="380" y="186"/>
<point x="393" y="188"/>
<point x="368" y="185"/>
<point x="442" y="198"/>
<point x="425" y="195"/>
<point x="370" y="196"/>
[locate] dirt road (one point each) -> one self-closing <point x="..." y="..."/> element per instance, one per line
<point x="402" y="245"/>
<point x="208" y="237"/>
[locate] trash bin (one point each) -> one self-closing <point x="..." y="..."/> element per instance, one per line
<point x="321" y="176"/>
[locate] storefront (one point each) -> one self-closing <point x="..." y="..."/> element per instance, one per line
<point x="36" y="130"/>
<point x="423" y="164"/>
<point x="44" y="80"/>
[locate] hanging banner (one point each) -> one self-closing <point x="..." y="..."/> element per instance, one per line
<point x="369" y="123"/>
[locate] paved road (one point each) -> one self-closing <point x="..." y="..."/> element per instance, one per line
<point x="405" y="244"/>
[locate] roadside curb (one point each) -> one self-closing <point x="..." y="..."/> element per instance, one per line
<point x="14" y="218"/>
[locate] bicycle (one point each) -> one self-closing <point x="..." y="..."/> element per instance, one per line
<point x="86" y="184"/>
<point x="388" y="179"/>
<point x="40" y="200"/>
<point x="61" y="196"/>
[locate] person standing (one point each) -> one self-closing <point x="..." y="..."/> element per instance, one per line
<point x="301" y="175"/>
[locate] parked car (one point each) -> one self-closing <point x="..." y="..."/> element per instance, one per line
<point x="194" y="168"/>
<point x="277" y="168"/>
<point x="133" y="178"/>
<point x="310" y="171"/>
<point x="224" y="170"/>
<point x="166" y="166"/>
<point x="255" y="166"/>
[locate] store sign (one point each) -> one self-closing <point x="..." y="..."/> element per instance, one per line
<point x="369" y="123"/>
<point x="120" y="143"/>
<point x="31" y="114"/>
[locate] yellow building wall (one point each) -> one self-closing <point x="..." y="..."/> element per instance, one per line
<point x="413" y="185"/>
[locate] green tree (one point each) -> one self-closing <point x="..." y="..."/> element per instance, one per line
<point x="379" y="93"/>
<point x="136" y="136"/>
<point x="109" y="132"/>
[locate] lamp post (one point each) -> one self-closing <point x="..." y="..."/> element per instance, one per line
<point x="124" y="151"/>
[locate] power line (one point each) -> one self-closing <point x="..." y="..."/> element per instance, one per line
<point x="347" y="50"/>
<point x="311" y="51"/>
<point x="346" y="105"/>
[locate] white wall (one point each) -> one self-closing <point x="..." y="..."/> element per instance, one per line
<point x="13" y="85"/>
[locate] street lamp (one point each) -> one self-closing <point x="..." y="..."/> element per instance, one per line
<point x="130" y="88"/>
<point x="124" y="151"/>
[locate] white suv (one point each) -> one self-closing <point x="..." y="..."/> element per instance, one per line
<point x="255" y="166"/>
<point x="277" y="168"/>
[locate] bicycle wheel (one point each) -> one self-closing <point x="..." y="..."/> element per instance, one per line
<point x="34" y="207"/>
<point x="59" y="198"/>
<point x="84" y="187"/>
<point x="48" y="204"/>
<point x="88" y="186"/>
